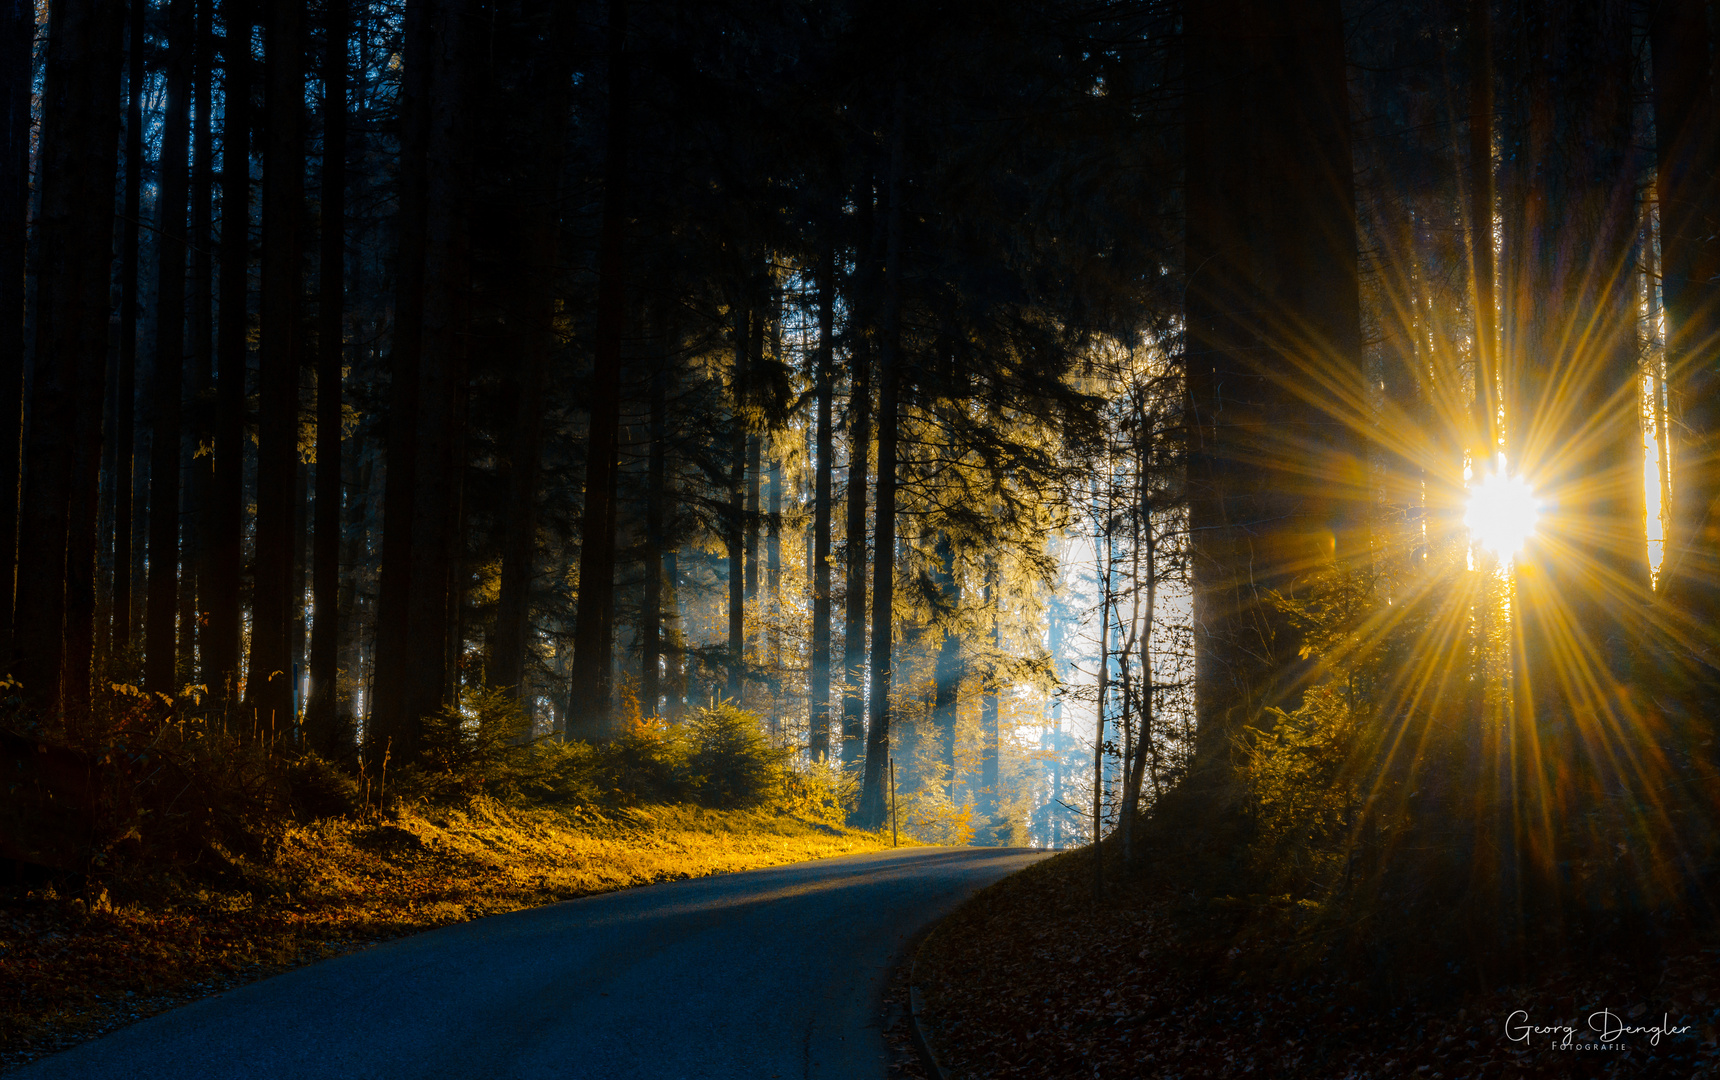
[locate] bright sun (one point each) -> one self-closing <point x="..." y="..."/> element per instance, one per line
<point x="1502" y="513"/>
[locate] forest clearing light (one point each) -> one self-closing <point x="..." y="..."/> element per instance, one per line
<point x="1502" y="512"/>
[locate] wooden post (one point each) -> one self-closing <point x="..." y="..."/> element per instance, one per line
<point x="893" y="838"/>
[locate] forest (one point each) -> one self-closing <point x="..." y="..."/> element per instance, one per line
<point x="1273" y="439"/>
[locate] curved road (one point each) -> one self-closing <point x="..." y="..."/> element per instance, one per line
<point x="768" y="974"/>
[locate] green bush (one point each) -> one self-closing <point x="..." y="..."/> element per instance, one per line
<point x="482" y="745"/>
<point x="730" y="762"/>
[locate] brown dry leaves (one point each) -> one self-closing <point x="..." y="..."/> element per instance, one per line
<point x="1032" y="980"/>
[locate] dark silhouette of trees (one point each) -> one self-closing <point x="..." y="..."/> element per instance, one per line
<point x="611" y="300"/>
<point x="594" y="624"/>
<point x="1275" y="479"/>
<point x="78" y="156"/>
<point x="17" y="34"/>
<point x="269" y="683"/>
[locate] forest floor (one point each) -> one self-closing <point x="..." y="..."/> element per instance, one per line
<point x="1032" y="979"/>
<point x="75" y="967"/>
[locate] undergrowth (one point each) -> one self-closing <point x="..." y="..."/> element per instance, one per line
<point x="1412" y="821"/>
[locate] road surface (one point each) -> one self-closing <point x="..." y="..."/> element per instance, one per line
<point x="766" y="975"/>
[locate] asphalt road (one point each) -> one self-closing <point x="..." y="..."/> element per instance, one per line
<point x="763" y="975"/>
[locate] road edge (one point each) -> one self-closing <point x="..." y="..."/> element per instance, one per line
<point x="917" y="1026"/>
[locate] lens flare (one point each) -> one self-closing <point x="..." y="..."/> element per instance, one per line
<point x="1502" y="513"/>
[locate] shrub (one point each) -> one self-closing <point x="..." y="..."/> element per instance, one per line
<point x="931" y="816"/>
<point x="318" y="788"/>
<point x="730" y="762"/>
<point x="481" y="745"/>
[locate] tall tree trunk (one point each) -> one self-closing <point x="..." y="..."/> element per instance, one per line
<point x="298" y="625"/>
<point x="1483" y="436"/>
<point x="161" y="641"/>
<point x="391" y="732"/>
<point x="1141" y="635"/>
<point x="1484" y="439"/>
<point x="773" y="575"/>
<point x="125" y="390"/>
<point x="818" y="688"/>
<point x="988" y="712"/>
<point x="78" y="155"/>
<point x="736" y="523"/>
<point x="773" y="533"/>
<point x="947" y="675"/>
<point x="674" y="646"/>
<point x="437" y="504"/>
<point x="536" y="228"/>
<point x="755" y="463"/>
<point x="270" y="686"/>
<point x="354" y="547"/>
<point x="17" y="37"/>
<point x="298" y="632"/>
<point x="1102" y="570"/>
<point x="873" y="808"/>
<point x="131" y="525"/>
<point x="1276" y="481"/>
<point x="1686" y="162"/>
<point x="200" y="390"/>
<point x="221" y="637"/>
<point x="594" y="621"/>
<point x="859" y="449"/>
<point x="323" y="731"/>
<point x="651" y="613"/>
